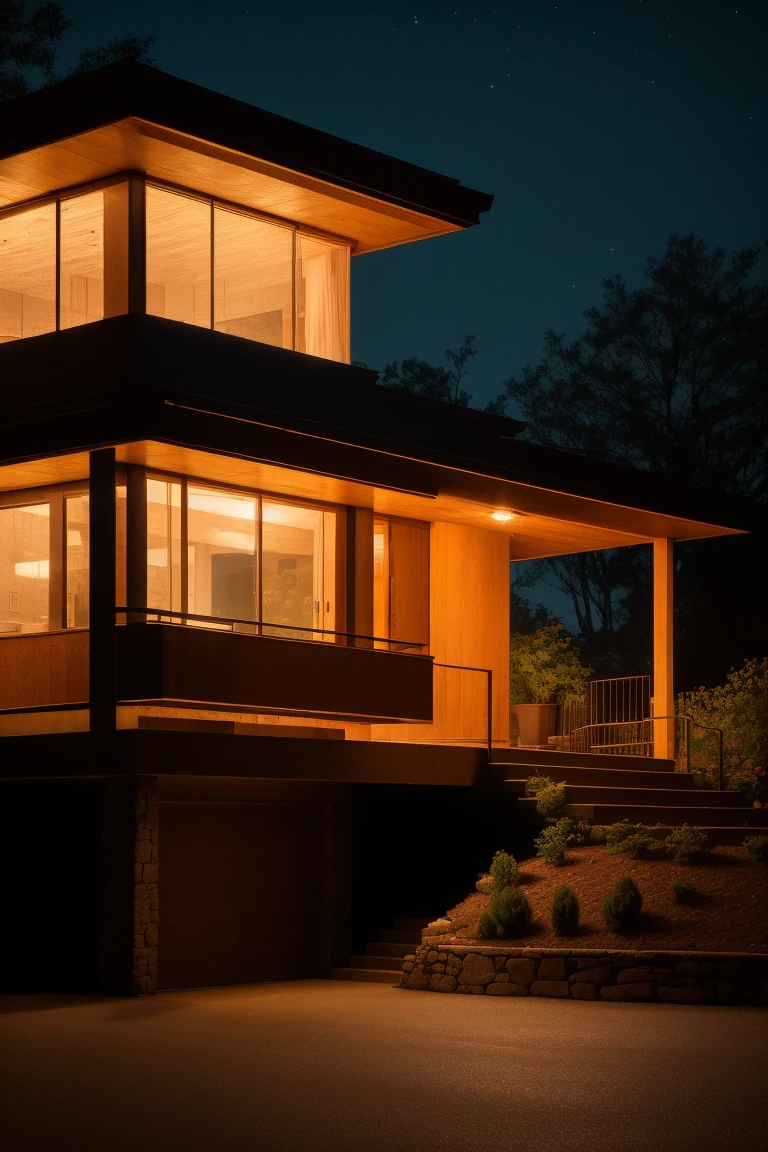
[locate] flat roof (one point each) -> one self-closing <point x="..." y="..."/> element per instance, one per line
<point x="131" y="117"/>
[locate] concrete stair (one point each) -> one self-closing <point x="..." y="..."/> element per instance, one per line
<point x="383" y="958"/>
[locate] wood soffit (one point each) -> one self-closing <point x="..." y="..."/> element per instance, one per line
<point x="130" y="117"/>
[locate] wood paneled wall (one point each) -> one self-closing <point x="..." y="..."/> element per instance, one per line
<point x="50" y="668"/>
<point x="469" y="625"/>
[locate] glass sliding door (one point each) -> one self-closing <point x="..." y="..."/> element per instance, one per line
<point x="164" y="556"/>
<point x="24" y="568"/>
<point x="221" y="554"/>
<point x="294" y="579"/>
<point x="77" y="560"/>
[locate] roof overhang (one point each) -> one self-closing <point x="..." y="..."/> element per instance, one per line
<point x="129" y="117"/>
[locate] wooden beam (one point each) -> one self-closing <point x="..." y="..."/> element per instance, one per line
<point x="102" y="585"/>
<point x="663" y="647"/>
<point x="360" y="573"/>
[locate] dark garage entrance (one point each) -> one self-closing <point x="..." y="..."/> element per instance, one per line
<point x="241" y="893"/>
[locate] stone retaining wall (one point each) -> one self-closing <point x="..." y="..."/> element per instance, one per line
<point x="585" y="974"/>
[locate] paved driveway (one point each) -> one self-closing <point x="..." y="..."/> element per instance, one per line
<point x="338" y="1067"/>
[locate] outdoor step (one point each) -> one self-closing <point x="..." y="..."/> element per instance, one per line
<point x="392" y="936"/>
<point x="661" y="797"/>
<point x="412" y="923"/>
<point x="744" y="818"/>
<point x="370" y="975"/>
<point x="612" y="777"/>
<point x="393" y="963"/>
<point x="542" y="758"/>
<point x="382" y="949"/>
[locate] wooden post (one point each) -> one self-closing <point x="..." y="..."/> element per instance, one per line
<point x="136" y="545"/>
<point x="124" y="258"/>
<point x="663" y="648"/>
<point x="360" y="574"/>
<point x="102" y="585"/>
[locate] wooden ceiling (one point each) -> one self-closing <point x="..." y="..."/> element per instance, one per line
<point x="138" y="145"/>
<point x="574" y="524"/>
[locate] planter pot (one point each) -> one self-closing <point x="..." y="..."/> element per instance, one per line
<point x="536" y="722"/>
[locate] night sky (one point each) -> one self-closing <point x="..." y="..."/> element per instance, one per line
<point x="600" y="128"/>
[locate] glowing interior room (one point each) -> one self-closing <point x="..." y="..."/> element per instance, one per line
<point x="254" y="606"/>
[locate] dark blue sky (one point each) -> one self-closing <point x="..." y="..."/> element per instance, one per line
<point x="600" y="128"/>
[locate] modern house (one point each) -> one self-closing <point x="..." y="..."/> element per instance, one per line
<point x="254" y="607"/>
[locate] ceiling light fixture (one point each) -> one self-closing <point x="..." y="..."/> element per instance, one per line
<point x="502" y="515"/>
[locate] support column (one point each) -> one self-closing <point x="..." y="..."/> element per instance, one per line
<point x="102" y="662"/>
<point x="360" y="574"/>
<point x="124" y="248"/>
<point x="663" y="648"/>
<point x="136" y="533"/>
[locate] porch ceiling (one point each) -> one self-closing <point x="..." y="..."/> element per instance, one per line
<point x="547" y="523"/>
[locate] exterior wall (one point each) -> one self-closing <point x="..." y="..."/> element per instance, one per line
<point x="44" y="668"/>
<point x="469" y="625"/>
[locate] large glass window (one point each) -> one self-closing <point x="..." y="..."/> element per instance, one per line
<point x="178" y="257"/>
<point x="253" y="279"/>
<point x="221" y="552"/>
<point x="24" y="568"/>
<point x="28" y="273"/>
<point x="81" y="260"/>
<point x="322" y="299"/>
<point x="77" y="560"/>
<point x="164" y="558"/>
<point x="292" y="578"/>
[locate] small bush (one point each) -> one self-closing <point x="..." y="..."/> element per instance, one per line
<point x="684" y="893"/>
<point x="622" y="905"/>
<point x="553" y="841"/>
<point x="550" y="801"/>
<point x="757" y="846"/>
<point x="504" y="872"/>
<point x="685" y="843"/>
<point x="512" y="911"/>
<point x="583" y="834"/>
<point x="487" y="927"/>
<point x="536" y="784"/>
<point x="597" y="833"/>
<point x="485" y="885"/>
<point x="565" y="911"/>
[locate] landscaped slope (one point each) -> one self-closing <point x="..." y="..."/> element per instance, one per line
<point x="731" y="914"/>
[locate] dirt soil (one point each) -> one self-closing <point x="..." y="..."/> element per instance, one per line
<point x="731" y="914"/>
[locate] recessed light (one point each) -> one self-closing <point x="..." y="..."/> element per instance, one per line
<point x="502" y="515"/>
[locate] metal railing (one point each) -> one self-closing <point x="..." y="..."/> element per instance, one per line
<point x="622" y="699"/>
<point x="468" y="738"/>
<point x="256" y="627"/>
<point x="637" y="738"/>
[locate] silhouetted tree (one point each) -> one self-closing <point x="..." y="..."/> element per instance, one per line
<point x="670" y="376"/>
<point x="30" y="36"/>
<point x="437" y="382"/>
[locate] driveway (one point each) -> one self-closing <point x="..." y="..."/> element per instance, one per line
<point x="338" y="1067"/>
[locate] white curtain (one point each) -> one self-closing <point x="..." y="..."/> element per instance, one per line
<point x="325" y="275"/>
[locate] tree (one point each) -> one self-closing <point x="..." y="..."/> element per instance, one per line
<point x="439" y="383"/>
<point x="670" y="376"/>
<point x="29" y="44"/>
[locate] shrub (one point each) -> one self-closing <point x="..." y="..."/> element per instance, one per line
<point x="633" y="840"/>
<point x="511" y="909"/>
<point x="757" y="846"/>
<point x="683" y="893"/>
<point x="565" y="911"/>
<point x="504" y="872"/>
<point x="545" y="667"/>
<point x="550" y="801"/>
<point x="685" y="843"/>
<point x="485" y="885"/>
<point x="487" y="927"/>
<point x="740" y="708"/>
<point x="553" y="841"/>
<point x="597" y="833"/>
<point x="622" y="905"/>
<point x="536" y="784"/>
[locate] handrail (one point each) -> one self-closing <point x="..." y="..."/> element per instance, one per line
<point x="610" y="724"/>
<point x="164" y="612"/>
<point x="489" y="697"/>
<point x="690" y="722"/>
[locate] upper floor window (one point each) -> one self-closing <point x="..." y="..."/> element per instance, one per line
<point x="217" y="267"/>
<point x="24" y="568"/>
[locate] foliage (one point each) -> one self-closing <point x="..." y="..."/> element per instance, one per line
<point x="669" y="376"/>
<point x="512" y="911"/>
<point x="757" y="846"/>
<point x="553" y="841"/>
<point x="487" y="927"/>
<point x="545" y="667"/>
<point x="685" y="843"/>
<point x="627" y="839"/>
<point x="622" y="905"/>
<point x="598" y="833"/>
<point x="504" y="872"/>
<point x="683" y="893"/>
<point x="740" y="708"/>
<point x="565" y="911"/>
<point x="535" y="784"/>
<point x="484" y="884"/>
<point x="439" y="383"/>
<point x="550" y="801"/>
<point x="30" y="36"/>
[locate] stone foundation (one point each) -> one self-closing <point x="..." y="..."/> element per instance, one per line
<point x="585" y="974"/>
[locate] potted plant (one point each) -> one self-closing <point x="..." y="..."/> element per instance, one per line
<point x="545" y="671"/>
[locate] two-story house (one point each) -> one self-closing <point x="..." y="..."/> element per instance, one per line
<point x="254" y="608"/>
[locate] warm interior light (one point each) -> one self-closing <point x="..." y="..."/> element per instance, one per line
<point x="502" y="515"/>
